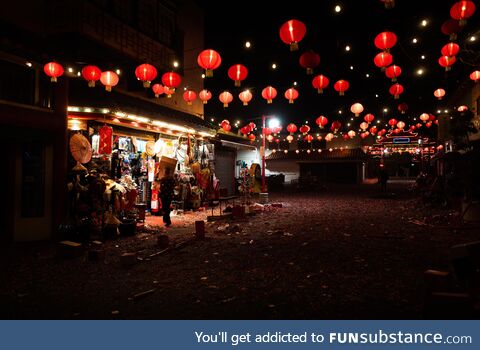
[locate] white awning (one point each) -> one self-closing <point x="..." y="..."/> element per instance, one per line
<point x="238" y="145"/>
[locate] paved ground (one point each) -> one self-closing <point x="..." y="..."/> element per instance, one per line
<point x="340" y="253"/>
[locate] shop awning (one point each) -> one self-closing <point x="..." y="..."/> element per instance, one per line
<point x="238" y="145"/>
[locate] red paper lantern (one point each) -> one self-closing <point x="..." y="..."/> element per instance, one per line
<point x="475" y="76"/>
<point x="53" y="70"/>
<point x="336" y="125"/>
<point x="245" y="96"/>
<point x="252" y="137"/>
<point x="309" y="60"/>
<point x="351" y="134"/>
<point x="341" y="86"/>
<point x="252" y="126"/>
<point x="462" y="108"/>
<point x="205" y="95"/>
<point x="424" y="117"/>
<point x="109" y="79"/>
<point x="396" y="90"/>
<point x="189" y="96"/>
<point x="356" y="109"/>
<point x="450" y="49"/>
<point x="105" y="140"/>
<point x="245" y="130"/>
<point x="363" y="126"/>
<point x="373" y="130"/>
<point x="225" y="124"/>
<point x="269" y="93"/>
<point x="289" y="138"/>
<point x="146" y="73"/>
<point x="447" y="62"/>
<point x="383" y="59"/>
<point x="291" y="94"/>
<point x="321" y="121"/>
<point x="462" y="10"/>
<point x="171" y="80"/>
<point x="402" y="107"/>
<point x="369" y="118"/>
<point x="320" y="82"/>
<point x="292" y="32"/>
<point x="168" y="91"/>
<point x="389" y="4"/>
<point x="237" y="73"/>
<point x="308" y="138"/>
<point x="267" y="131"/>
<point x="451" y="27"/>
<point x="393" y="72"/>
<point x="91" y="74"/>
<point x="291" y="128"/>
<point x="304" y="129"/>
<point x="385" y="40"/>
<point x="431" y="117"/>
<point x="158" y="89"/>
<point x="439" y="93"/>
<point x="209" y="60"/>
<point x="225" y="97"/>
<point x="392" y="122"/>
<point x="428" y="124"/>
<point x="400" y="125"/>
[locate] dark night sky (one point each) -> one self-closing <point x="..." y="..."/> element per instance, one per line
<point x="230" y="24"/>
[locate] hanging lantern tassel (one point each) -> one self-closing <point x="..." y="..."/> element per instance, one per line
<point x="237" y="83"/>
<point x="294" y="46"/>
<point x="208" y="73"/>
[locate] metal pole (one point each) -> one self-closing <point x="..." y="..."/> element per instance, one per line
<point x="263" y="153"/>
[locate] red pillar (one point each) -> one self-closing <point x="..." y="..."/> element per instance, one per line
<point x="263" y="154"/>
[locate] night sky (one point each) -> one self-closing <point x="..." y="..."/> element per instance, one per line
<point x="230" y="24"/>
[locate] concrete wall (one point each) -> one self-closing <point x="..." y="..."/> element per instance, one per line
<point x="289" y="168"/>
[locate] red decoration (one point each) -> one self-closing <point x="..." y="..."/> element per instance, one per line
<point x="168" y="91"/>
<point x="267" y="131"/>
<point x="291" y="94"/>
<point x="373" y="130"/>
<point x="252" y="126"/>
<point x="146" y="73"/>
<point x="291" y="128"/>
<point x="392" y="122"/>
<point x="439" y="93"/>
<point x="209" y="60"/>
<point x="309" y="60"/>
<point x="341" y="86"/>
<point x="252" y="137"/>
<point x="245" y="96"/>
<point x="369" y="118"/>
<point x="450" y="49"/>
<point x="105" y="140"/>
<point x="462" y="10"/>
<point x="205" y="95"/>
<point x="91" y="74"/>
<point x="237" y="73"/>
<point x="308" y="138"/>
<point x="225" y="97"/>
<point x="393" y="72"/>
<point x="289" y="138"/>
<point x="109" y="79"/>
<point x="189" y="96"/>
<point x="451" y="27"/>
<point x="446" y="62"/>
<point x="363" y="126"/>
<point x="424" y="117"/>
<point x="396" y="90"/>
<point x="171" y="80"/>
<point x="304" y="129"/>
<point x="351" y="134"/>
<point x="385" y="41"/>
<point x="475" y="76"/>
<point x="245" y="130"/>
<point x="292" y="32"/>
<point x="269" y="93"/>
<point x="402" y="107"/>
<point x="225" y="124"/>
<point x="321" y="121"/>
<point x="335" y="126"/>
<point x="462" y="108"/>
<point x="53" y="70"/>
<point x="320" y="82"/>
<point x="428" y="124"/>
<point x="383" y="59"/>
<point x="356" y="109"/>
<point x="158" y="89"/>
<point x="400" y="125"/>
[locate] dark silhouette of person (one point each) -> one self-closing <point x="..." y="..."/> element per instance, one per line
<point x="167" y="185"/>
<point x="383" y="179"/>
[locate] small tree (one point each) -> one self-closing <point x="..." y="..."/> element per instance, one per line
<point x="461" y="125"/>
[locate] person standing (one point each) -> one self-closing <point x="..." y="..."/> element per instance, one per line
<point x="383" y="179"/>
<point x="167" y="185"/>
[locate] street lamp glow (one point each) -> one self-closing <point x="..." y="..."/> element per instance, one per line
<point x="347" y="48"/>
<point x="424" y="23"/>
<point x="248" y="44"/>
<point x="414" y="40"/>
<point x="273" y="123"/>
<point x="175" y="64"/>
<point x="338" y="9"/>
